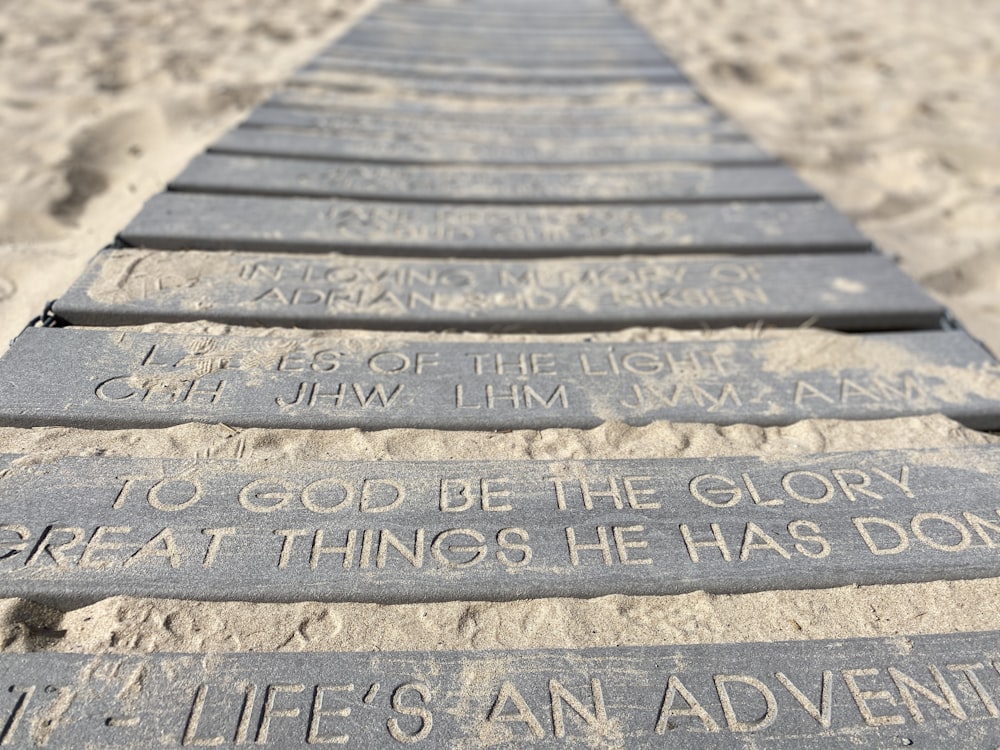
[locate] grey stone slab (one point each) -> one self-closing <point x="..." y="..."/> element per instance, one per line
<point x="407" y="56"/>
<point x="507" y="102"/>
<point x="396" y="532"/>
<point x="212" y="222"/>
<point x="500" y="45"/>
<point x="481" y="38"/>
<point x="527" y="21"/>
<point x="545" y="16"/>
<point x="485" y="48"/>
<point x="354" y="81"/>
<point x="555" y="13"/>
<point x="495" y="128"/>
<point x="499" y="94"/>
<point x="493" y="72"/>
<point x="613" y="31"/>
<point x="486" y="113"/>
<point x="589" y="55"/>
<point x="230" y="173"/>
<point x="106" y="378"/>
<point x="318" y="145"/>
<point x="846" y="292"/>
<point x="934" y="691"/>
<point x="513" y="18"/>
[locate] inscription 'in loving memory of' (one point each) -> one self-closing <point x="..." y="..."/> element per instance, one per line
<point x="844" y="291"/>
<point x="414" y="531"/>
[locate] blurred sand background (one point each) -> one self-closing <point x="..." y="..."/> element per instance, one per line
<point x="890" y="108"/>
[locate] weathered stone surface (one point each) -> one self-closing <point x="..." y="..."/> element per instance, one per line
<point x="259" y="175"/>
<point x="926" y="691"/>
<point x="209" y="222"/>
<point x="111" y="379"/>
<point x="699" y="124"/>
<point x="485" y="72"/>
<point x="577" y="13"/>
<point x="481" y="41"/>
<point x="391" y="531"/>
<point x="509" y="30"/>
<point x="574" y="99"/>
<point x="589" y="55"/>
<point x="355" y="81"/>
<point x="848" y="292"/>
<point x="496" y="16"/>
<point x="561" y="113"/>
<point x="318" y="146"/>
<point x="495" y="128"/>
<point x="444" y="57"/>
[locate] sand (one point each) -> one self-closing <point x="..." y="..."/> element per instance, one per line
<point x="888" y="108"/>
<point x="103" y="101"/>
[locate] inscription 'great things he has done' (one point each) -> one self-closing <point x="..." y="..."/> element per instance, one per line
<point x="397" y="531"/>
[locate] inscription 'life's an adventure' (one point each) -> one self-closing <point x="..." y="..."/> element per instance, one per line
<point x="938" y="691"/>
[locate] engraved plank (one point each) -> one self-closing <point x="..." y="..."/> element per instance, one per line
<point x="847" y="292"/>
<point x="211" y="222"/>
<point x="129" y="379"/>
<point x="478" y="38"/>
<point x="664" y="71"/>
<point x="932" y="690"/>
<point x="529" y="20"/>
<point x="553" y="13"/>
<point x="486" y="113"/>
<point x="504" y="42"/>
<point x="355" y="81"/>
<point x="400" y="56"/>
<point x="614" y="32"/>
<point x="312" y="145"/>
<point x="499" y="46"/>
<point x="615" y="24"/>
<point x="497" y="94"/>
<point x="392" y="532"/>
<point x="592" y="55"/>
<point x="546" y="16"/>
<point x="231" y="173"/>
<point x="286" y="112"/>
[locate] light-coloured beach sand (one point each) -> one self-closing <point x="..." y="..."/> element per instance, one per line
<point x="888" y="108"/>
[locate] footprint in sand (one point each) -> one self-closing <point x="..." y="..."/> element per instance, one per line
<point x="7" y="288"/>
<point x="98" y="154"/>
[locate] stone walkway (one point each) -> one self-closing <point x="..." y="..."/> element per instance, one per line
<point x="349" y="257"/>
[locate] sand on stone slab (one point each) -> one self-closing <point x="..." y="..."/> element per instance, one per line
<point x="610" y="440"/>
<point x="889" y="107"/>
<point x="780" y="350"/>
<point x="139" y="626"/>
<point x="131" y="625"/>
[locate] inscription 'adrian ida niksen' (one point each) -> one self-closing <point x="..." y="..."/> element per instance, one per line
<point x="397" y="531"/>
<point x="937" y="691"/>
<point x="837" y="290"/>
<point x="145" y="379"/>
